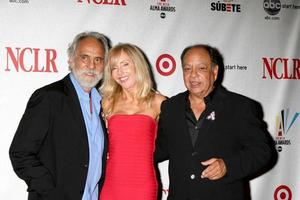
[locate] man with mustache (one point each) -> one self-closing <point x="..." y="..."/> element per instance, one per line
<point x="214" y="139"/>
<point x="59" y="148"/>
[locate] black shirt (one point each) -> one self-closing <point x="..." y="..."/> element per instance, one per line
<point x="194" y="125"/>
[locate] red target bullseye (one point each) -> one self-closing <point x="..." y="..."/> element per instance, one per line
<point x="165" y="64"/>
<point x="283" y="192"/>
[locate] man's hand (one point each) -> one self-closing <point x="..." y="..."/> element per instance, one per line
<point x="215" y="169"/>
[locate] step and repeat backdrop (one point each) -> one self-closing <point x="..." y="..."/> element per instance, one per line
<point x="259" y="39"/>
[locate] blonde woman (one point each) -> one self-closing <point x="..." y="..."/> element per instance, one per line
<point x="131" y="108"/>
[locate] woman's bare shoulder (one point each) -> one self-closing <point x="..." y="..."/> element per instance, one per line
<point x="158" y="99"/>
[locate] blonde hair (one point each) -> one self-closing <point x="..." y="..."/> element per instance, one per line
<point x="111" y="90"/>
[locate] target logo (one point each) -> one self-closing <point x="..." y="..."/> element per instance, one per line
<point x="283" y="192"/>
<point x="165" y="64"/>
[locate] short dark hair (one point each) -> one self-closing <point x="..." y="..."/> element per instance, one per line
<point x="216" y="58"/>
<point x="212" y="52"/>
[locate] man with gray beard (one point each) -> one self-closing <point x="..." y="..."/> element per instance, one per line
<point x="59" y="148"/>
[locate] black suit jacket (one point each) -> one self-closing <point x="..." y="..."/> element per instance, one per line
<point x="236" y="134"/>
<point x="50" y="148"/>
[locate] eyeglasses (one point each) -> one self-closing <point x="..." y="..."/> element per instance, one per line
<point x="86" y="59"/>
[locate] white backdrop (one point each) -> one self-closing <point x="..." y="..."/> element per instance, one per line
<point x="259" y="40"/>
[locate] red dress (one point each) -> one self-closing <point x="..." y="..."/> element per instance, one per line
<point x="130" y="172"/>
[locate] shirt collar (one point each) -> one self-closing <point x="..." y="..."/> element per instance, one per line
<point x="83" y="94"/>
<point x="208" y="99"/>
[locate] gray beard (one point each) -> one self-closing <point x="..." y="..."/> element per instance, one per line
<point x="78" y="74"/>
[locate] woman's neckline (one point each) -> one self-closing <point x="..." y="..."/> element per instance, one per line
<point x="131" y="115"/>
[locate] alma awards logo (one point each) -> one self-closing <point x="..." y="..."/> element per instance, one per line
<point x="283" y="126"/>
<point x="163" y="6"/>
